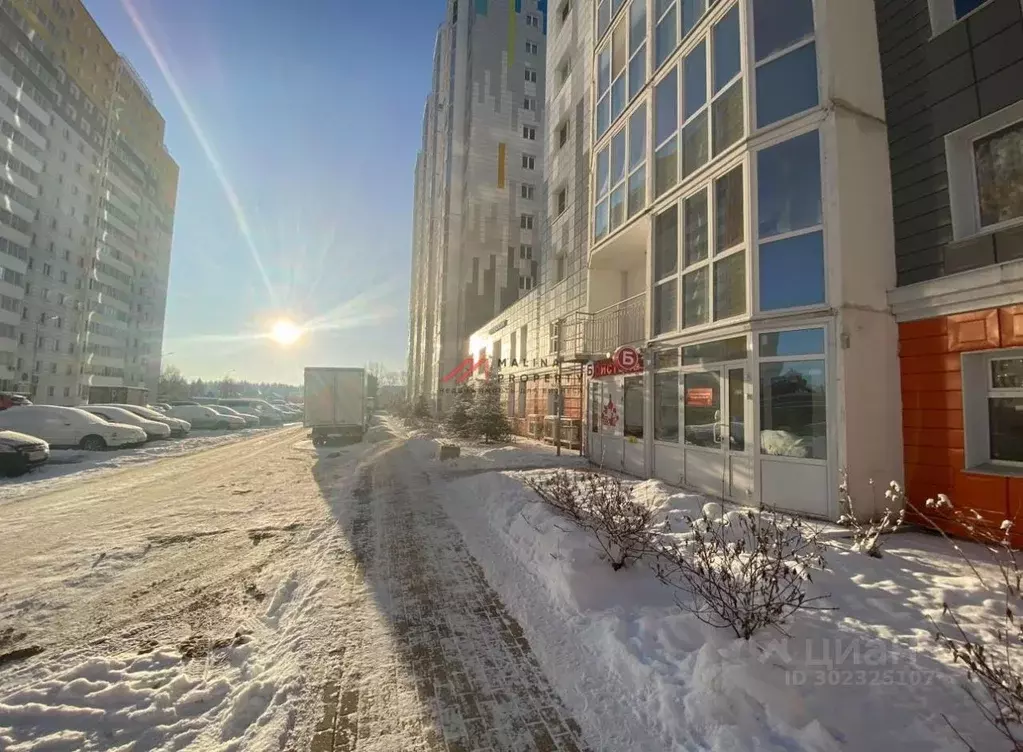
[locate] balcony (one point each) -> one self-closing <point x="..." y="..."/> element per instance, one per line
<point x="586" y="336"/>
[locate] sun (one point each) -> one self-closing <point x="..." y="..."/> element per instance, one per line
<point x="285" y="332"/>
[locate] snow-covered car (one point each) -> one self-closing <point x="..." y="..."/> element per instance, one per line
<point x="201" y="416"/>
<point x="178" y="427"/>
<point x="69" y="427"/>
<point x="251" y="421"/>
<point x="153" y="429"/>
<point x="20" y="452"/>
<point x="268" y="415"/>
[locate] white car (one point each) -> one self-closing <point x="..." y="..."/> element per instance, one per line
<point x="201" y="416"/>
<point x="20" y="452"/>
<point x="251" y="421"/>
<point x="153" y="429"/>
<point x="177" y="426"/>
<point x="69" y="427"/>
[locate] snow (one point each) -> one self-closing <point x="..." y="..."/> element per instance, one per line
<point x="82" y="464"/>
<point x="639" y="674"/>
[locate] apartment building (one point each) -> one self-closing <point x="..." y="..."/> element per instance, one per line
<point x="88" y="214"/>
<point x="479" y="197"/>
<point x="953" y="81"/>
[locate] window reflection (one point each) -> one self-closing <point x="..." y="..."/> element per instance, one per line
<point x="793" y="409"/>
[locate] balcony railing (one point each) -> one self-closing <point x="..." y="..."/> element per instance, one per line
<point x="594" y="334"/>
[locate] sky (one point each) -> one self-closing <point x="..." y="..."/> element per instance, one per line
<point x="310" y="113"/>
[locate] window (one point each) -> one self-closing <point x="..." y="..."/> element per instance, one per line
<point x="666" y="30"/>
<point x="532" y="21"/>
<point x="632" y="404"/>
<point x="790" y="226"/>
<point x="564" y="10"/>
<point x="985" y="173"/>
<point x="530" y="75"/>
<point x="562" y="201"/>
<point x="601" y="189"/>
<point x="945" y="13"/>
<point x="785" y="56"/>
<point x="526" y="221"/>
<point x="529" y="103"/>
<point x="555" y="337"/>
<point x="525" y="251"/>
<point x="606" y="11"/>
<point x="637" y="46"/>
<point x="727" y="119"/>
<point x="559" y="273"/>
<point x="528" y="162"/>
<point x="67" y="390"/>
<point x="595" y="403"/>
<point x="49" y="390"/>
<point x="564" y="71"/>
<point x="694" y="123"/>
<point x="637" y="161"/>
<point x="562" y="134"/>
<point x="666" y="133"/>
<point x="526" y="191"/>
<point x="793" y="414"/>
<point x="529" y="132"/>
<point x="993" y="407"/>
<point x="531" y="48"/>
<point x="665" y="308"/>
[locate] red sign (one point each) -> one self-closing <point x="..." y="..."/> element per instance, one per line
<point x="610" y="367"/>
<point x="464" y="370"/>
<point x="628" y="359"/>
<point x="700" y="397"/>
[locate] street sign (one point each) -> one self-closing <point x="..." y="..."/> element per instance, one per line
<point x="627" y="359"/>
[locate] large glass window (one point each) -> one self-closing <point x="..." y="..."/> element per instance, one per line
<point x="666" y="134"/>
<point x="618" y="156"/>
<point x="619" y="60"/>
<point x="694" y="282"/>
<point x="1005" y="409"/>
<point x="694" y="114"/>
<point x="637" y="160"/>
<point x="790" y="224"/>
<point x="793" y="404"/>
<point x="785" y="54"/>
<point x="621" y="66"/>
<point x="666" y="406"/>
<point x="666" y="30"/>
<point x="633" y="404"/>
<point x="999" y="160"/>
<point x="692" y="12"/>
<point x="637" y="46"/>
<point x="602" y="119"/>
<point x="665" y="310"/>
<point x="726" y="107"/>
<point x="602" y="186"/>
<point x="701" y="401"/>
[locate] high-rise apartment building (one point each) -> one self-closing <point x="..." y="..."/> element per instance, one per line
<point x="479" y="196"/>
<point x="85" y="231"/>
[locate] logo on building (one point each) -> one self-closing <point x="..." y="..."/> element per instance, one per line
<point x="609" y="414"/>
<point x="464" y="370"/>
<point x="625" y="360"/>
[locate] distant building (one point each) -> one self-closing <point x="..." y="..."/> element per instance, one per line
<point x="479" y="195"/>
<point x="85" y="240"/>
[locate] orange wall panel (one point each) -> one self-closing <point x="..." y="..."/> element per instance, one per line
<point x="932" y="363"/>
<point x="926" y="328"/>
<point x="977" y="330"/>
<point x="1010" y="321"/>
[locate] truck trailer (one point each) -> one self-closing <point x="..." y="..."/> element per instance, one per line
<point x="335" y="403"/>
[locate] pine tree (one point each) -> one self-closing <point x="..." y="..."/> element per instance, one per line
<point x="421" y="409"/>
<point x="459" y="417"/>
<point x="488" y="419"/>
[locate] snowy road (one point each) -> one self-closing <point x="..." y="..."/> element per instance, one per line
<point x="262" y="595"/>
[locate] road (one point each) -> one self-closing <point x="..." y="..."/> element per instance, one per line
<point x="260" y="595"/>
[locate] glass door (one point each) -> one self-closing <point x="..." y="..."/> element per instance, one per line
<point x="714" y="416"/>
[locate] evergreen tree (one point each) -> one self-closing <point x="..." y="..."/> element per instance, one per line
<point x="458" y="421"/>
<point x="421" y="410"/>
<point x="488" y="418"/>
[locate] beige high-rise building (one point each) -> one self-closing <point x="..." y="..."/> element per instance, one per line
<point x="86" y="223"/>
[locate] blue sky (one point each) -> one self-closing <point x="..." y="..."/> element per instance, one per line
<point x="313" y="109"/>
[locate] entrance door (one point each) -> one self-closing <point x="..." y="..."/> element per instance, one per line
<point x="634" y="448"/>
<point x="715" y="413"/>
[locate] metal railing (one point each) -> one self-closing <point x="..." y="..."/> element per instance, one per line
<point x="603" y="331"/>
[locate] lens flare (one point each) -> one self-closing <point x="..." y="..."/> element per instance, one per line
<point x="285" y="332"/>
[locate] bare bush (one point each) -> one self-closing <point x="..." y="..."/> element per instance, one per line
<point x="868" y="537"/>
<point x="624" y="528"/>
<point x="562" y="491"/>
<point x="743" y="571"/>
<point x="994" y="659"/>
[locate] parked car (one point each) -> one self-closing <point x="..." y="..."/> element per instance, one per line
<point x="69" y="427"/>
<point x="153" y="429"/>
<point x="267" y="414"/>
<point x="177" y="426"/>
<point x="202" y="416"/>
<point x="20" y="452"/>
<point x="251" y="421"/>
<point x="163" y="407"/>
<point x="10" y="399"/>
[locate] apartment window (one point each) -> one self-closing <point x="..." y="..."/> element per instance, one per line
<point x="665" y="31"/>
<point x="785" y="56"/>
<point x="49" y="390"/>
<point x="531" y="48"/>
<point x="528" y="162"/>
<point x="526" y="221"/>
<point x="525" y="251"/>
<point x="602" y="187"/>
<point x="793" y="394"/>
<point x="529" y="103"/>
<point x="612" y="75"/>
<point x="985" y="172"/>
<point x="561" y="201"/>
<point x="559" y="271"/>
<point x="637" y="47"/>
<point x="946" y="13"/>
<point x="527" y="191"/>
<point x="666" y="133"/>
<point x="695" y="151"/>
<point x="637" y="161"/>
<point x="554" y="337"/>
<point x="727" y="118"/>
<point x="790" y="224"/>
<point x="564" y="10"/>
<point x="530" y="75"/>
<point x="532" y="20"/>
<point x="529" y="133"/>
<point x="665" y="247"/>
<point x="993" y="407"/>
<point x="67" y="390"/>
<point x="31" y="262"/>
<point x="564" y="70"/>
<point x="562" y="134"/>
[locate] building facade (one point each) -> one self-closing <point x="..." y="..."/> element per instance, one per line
<point x="953" y="75"/>
<point x="479" y="202"/>
<point x="86" y="230"/>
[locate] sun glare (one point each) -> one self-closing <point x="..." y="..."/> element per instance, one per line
<point x="285" y="332"/>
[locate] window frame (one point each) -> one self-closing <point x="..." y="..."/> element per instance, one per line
<point x="978" y="391"/>
<point x="677" y="443"/>
<point x="755" y="65"/>
<point x="943" y="16"/>
<point x="963" y="185"/>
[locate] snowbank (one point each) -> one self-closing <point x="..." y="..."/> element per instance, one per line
<point x="641" y="675"/>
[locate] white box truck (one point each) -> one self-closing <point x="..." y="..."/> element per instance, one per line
<point x="335" y="403"/>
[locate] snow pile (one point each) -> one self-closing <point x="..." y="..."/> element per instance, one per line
<point x="64" y="462"/>
<point x="641" y="675"/>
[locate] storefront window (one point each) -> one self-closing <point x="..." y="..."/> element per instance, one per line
<point x="702" y="408"/>
<point x="594" y="408"/>
<point x="793" y="404"/>
<point x="633" y="401"/>
<point x="666" y="406"/>
<point x="714" y="352"/>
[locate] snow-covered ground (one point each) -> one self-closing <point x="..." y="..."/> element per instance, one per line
<point x="640" y="675"/>
<point x="82" y="464"/>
